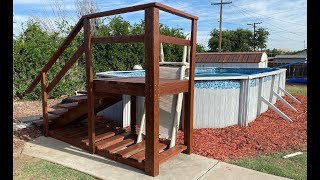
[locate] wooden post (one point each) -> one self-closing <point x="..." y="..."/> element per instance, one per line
<point x="44" y="104"/>
<point x="152" y="49"/>
<point x="133" y="114"/>
<point x="90" y="95"/>
<point x="188" y="119"/>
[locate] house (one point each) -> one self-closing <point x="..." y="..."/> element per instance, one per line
<point x="232" y="59"/>
<point x="294" y="57"/>
<point x="295" y="63"/>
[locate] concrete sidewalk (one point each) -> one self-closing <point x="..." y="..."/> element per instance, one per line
<point x="180" y="167"/>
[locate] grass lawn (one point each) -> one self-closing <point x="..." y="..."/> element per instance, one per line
<point x="46" y="170"/>
<point x="293" y="167"/>
<point x="297" y="89"/>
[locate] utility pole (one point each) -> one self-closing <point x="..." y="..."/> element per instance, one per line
<point x="254" y="33"/>
<point x="220" y="31"/>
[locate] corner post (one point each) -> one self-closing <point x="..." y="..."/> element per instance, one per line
<point x="90" y="95"/>
<point x="44" y="104"/>
<point x="188" y="110"/>
<point x="152" y="49"/>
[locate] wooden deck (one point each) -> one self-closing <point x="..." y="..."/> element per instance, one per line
<point x="136" y="86"/>
<point x="113" y="142"/>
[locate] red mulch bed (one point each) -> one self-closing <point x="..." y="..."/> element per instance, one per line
<point x="268" y="133"/>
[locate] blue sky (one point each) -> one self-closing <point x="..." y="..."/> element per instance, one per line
<point x="286" y="20"/>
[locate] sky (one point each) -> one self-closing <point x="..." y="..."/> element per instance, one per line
<point x="286" y="20"/>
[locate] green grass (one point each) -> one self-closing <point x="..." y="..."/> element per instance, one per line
<point x="46" y="170"/>
<point x="293" y="167"/>
<point x="297" y="89"/>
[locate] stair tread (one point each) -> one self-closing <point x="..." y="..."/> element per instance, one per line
<point x="140" y="156"/>
<point x="68" y="105"/>
<point x="105" y="135"/>
<point x="113" y="148"/>
<point x="109" y="141"/>
<point x="80" y="98"/>
<point x="125" y="153"/>
<point x="58" y="111"/>
<point x="51" y="116"/>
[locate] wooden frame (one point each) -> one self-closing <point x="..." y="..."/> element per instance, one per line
<point x="152" y="87"/>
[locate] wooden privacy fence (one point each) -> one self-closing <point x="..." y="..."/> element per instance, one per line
<point x="297" y="70"/>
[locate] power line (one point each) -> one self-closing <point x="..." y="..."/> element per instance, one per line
<point x="220" y="31"/>
<point x="243" y="12"/>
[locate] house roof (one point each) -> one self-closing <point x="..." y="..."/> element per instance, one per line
<point x="283" y="56"/>
<point x="231" y="57"/>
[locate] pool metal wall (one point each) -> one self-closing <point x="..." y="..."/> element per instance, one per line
<point x="218" y="108"/>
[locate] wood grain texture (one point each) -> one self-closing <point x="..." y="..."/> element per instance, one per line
<point x="174" y="40"/>
<point x="136" y="86"/>
<point x="152" y="94"/>
<point x="89" y="75"/>
<point x="44" y="104"/>
<point x="188" y="133"/>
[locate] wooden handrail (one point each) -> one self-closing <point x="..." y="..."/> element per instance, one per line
<point x="56" y="55"/>
<point x="174" y="40"/>
<point x="175" y="11"/>
<point x="65" y="68"/>
<point x="141" y="7"/>
<point x="119" y="11"/>
<point x="117" y="39"/>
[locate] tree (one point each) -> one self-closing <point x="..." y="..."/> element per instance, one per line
<point x="238" y="40"/>
<point x="261" y="38"/>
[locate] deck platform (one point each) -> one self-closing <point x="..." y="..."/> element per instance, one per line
<point x="118" y="144"/>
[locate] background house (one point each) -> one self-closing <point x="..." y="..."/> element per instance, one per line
<point x="232" y="59"/>
<point x="295" y="70"/>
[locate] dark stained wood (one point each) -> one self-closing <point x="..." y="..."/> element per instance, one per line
<point x="68" y="105"/>
<point x="127" y="161"/>
<point x="129" y="151"/>
<point x="81" y="112"/>
<point x="117" y="39"/>
<point x="174" y="40"/>
<point x="112" y="149"/>
<point x="104" y="135"/>
<point x="133" y="114"/>
<point x="188" y="126"/>
<point x="119" y="11"/>
<point x="65" y="68"/>
<point x="79" y="99"/>
<point x="140" y="156"/>
<point x="136" y="86"/>
<point x="109" y="141"/>
<point x="167" y="154"/>
<point x="56" y="55"/>
<point x="44" y="104"/>
<point x="59" y="111"/>
<point x="89" y="75"/>
<point x="175" y="11"/>
<point x="152" y="90"/>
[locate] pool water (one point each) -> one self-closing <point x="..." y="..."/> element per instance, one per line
<point x="203" y="72"/>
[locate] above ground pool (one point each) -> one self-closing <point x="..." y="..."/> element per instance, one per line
<point x="224" y="96"/>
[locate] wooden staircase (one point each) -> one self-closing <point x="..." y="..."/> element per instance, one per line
<point x="116" y="143"/>
<point x="74" y="109"/>
<point x="98" y="137"/>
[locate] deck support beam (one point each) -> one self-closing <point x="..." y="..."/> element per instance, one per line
<point x="188" y="111"/>
<point x="44" y="104"/>
<point x="89" y="75"/>
<point x="152" y="94"/>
